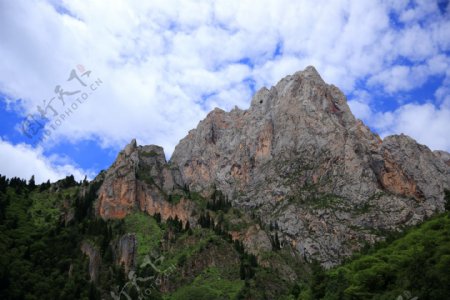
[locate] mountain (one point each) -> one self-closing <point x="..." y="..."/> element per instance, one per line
<point x="297" y="160"/>
<point x="292" y="198"/>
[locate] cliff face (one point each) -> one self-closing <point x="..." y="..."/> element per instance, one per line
<point x="445" y="156"/>
<point x="141" y="179"/>
<point x="95" y="259"/>
<point x="297" y="158"/>
<point x="126" y="252"/>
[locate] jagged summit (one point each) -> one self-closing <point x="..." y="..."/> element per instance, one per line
<point x="140" y="179"/>
<point x="297" y="158"/>
<point x="311" y="73"/>
<point x="309" y="76"/>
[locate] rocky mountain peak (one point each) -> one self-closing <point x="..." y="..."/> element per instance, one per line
<point x="131" y="147"/>
<point x="309" y="73"/>
<point x="299" y="158"/>
<point x="296" y="158"/>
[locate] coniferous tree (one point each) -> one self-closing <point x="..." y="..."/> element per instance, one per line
<point x="94" y="294"/>
<point x="69" y="181"/>
<point x="31" y="183"/>
<point x="242" y="271"/>
<point x="3" y="183"/>
<point x="253" y="260"/>
<point x="157" y="217"/>
<point x="44" y="186"/>
<point x="447" y="200"/>
<point x="18" y="184"/>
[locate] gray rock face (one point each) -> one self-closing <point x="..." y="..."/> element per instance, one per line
<point x="299" y="158"/>
<point x="95" y="259"/>
<point x="126" y="251"/>
<point x="428" y="175"/>
<point x="445" y="156"/>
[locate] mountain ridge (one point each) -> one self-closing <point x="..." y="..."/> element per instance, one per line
<point x="297" y="158"/>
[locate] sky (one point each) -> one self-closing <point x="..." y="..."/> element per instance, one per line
<point x="79" y="79"/>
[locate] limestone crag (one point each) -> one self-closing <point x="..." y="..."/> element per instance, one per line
<point x="141" y="179"/>
<point x="299" y="158"/>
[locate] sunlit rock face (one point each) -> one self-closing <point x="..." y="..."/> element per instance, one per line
<point x="140" y="179"/>
<point x="297" y="158"/>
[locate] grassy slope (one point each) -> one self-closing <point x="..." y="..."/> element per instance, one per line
<point x="416" y="264"/>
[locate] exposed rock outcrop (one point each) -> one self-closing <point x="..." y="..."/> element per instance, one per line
<point x="297" y="158"/>
<point x="141" y="179"/>
<point x="444" y="156"/>
<point x="126" y="251"/>
<point x="94" y="259"/>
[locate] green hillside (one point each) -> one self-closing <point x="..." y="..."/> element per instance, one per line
<point x="41" y="255"/>
<point x="416" y="264"/>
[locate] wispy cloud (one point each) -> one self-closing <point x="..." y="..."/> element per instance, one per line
<point x="165" y="64"/>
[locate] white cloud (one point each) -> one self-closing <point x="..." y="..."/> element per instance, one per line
<point x="398" y="78"/>
<point x="24" y="161"/>
<point x="418" y="10"/>
<point x="405" y="78"/>
<point x="166" y="63"/>
<point x="360" y="109"/>
<point x="427" y="123"/>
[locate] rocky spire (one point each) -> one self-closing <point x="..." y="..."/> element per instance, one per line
<point x="141" y="179"/>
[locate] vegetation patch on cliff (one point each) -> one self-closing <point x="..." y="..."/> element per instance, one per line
<point x="148" y="233"/>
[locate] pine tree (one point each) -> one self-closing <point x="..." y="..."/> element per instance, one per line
<point x="85" y="181"/>
<point x="31" y="183"/>
<point x="3" y="183"/>
<point x="207" y="221"/>
<point x="242" y="271"/>
<point x="447" y="200"/>
<point x="69" y="181"/>
<point x="157" y="217"/>
<point x="93" y="292"/>
<point x="44" y="186"/>
<point x="253" y="261"/>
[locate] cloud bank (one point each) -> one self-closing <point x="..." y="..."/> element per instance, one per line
<point x="24" y="161"/>
<point x="165" y="64"/>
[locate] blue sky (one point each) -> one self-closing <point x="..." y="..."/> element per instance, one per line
<point x="151" y="70"/>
